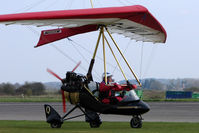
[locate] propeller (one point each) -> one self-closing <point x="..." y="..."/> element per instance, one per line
<point x="63" y="97"/>
<point x="54" y="74"/>
<point x="76" y="66"/>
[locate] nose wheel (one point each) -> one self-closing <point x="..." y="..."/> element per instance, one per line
<point x="55" y="124"/>
<point x="95" y="124"/>
<point x="136" y="122"/>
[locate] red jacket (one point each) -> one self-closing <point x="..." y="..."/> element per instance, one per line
<point x="107" y="92"/>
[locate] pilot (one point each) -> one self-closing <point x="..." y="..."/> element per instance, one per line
<point x="108" y="91"/>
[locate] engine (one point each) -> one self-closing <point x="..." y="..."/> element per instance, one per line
<point x="72" y="85"/>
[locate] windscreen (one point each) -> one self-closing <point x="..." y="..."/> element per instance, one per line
<point x="130" y="96"/>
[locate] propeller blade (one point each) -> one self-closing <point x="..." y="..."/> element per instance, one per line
<point x="76" y="66"/>
<point x="63" y="97"/>
<point x="54" y="74"/>
<point x="63" y="101"/>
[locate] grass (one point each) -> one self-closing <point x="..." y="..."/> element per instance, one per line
<point x="171" y="100"/>
<point x="57" y="98"/>
<point x="45" y="98"/>
<point x="159" y="96"/>
<point x="106" y="127"/>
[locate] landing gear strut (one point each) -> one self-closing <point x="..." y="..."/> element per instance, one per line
<point x="136" y="122"/>
<point x="56" y="120"/>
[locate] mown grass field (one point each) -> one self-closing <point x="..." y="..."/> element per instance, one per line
<point x="106" y="127"/>
<point x="57" y="98"/>
<point x="44" y="98"/>
<point x="148" y="95"/>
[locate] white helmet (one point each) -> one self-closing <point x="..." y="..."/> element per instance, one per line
<point x="107" y="75"/>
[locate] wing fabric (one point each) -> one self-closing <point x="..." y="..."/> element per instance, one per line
<point x="134" y="22"/>
<point x="48" y="36"/>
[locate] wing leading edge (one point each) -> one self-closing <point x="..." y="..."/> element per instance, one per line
<point x="134" y="22"/>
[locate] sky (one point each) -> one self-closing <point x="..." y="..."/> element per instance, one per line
<point x="177" y="58"/>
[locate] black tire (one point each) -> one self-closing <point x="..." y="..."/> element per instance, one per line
<point x="55" y="125"/>
<point x="95" y="124"/>
<point x="136" y="122"/>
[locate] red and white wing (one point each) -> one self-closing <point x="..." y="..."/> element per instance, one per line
<point x="134" y="22"/>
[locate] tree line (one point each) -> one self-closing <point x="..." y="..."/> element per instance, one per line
<point x="172" y="84"/>
<point x="38" y="88"/>
<point x="29" y="89"/>
<point x="186" y="84"/>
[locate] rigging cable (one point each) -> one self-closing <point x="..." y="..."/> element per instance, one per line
<point x="78" y="50"/>
<point x="123" y="53"/>
<point x="67" y="56"/>
<point x="130" y="2"/>
<point x="71" y="3"/>
<point x="113" y="66"/>
<point x="73" y="44"/>
<point x="99" y="3"/>
<point x="51" y="4"/>
<point x="150" y="60"/>
<point x="66" y="5"/>
<point x="59" y="50"/>
<point x="29" y="7"/>
<point x="141" y="60"/>
<point x="121" y="2"/>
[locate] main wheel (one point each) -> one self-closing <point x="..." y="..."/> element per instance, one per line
<point x="55" y="125"/>
<point x="136" y="122"/>
<point x="95" y="124"/>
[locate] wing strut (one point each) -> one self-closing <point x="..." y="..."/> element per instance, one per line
<point x="104" y="39"/>
<point x="91" y="3"/>
<point x="124" y="57"/>
<point x="116" y="59"/>
<point x="104" y="55"/>
<point x="89" y="74"/>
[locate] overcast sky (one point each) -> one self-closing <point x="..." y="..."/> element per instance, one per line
<point x="177" y="58"/>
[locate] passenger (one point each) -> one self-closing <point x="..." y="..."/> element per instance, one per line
<point x="108" y="91"/>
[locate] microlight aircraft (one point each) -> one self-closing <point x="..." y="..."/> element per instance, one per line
<point x="134" y="22"/>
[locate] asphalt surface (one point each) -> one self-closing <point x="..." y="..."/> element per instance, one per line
<point x="160" y="112"/>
